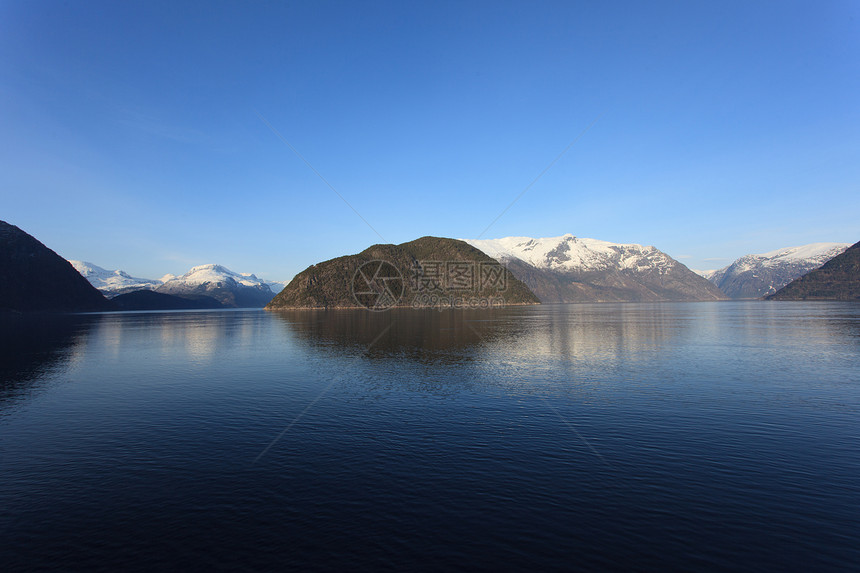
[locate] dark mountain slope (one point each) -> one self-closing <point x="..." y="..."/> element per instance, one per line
<point x="35" y="278"/>
<point x="838" y="279"/>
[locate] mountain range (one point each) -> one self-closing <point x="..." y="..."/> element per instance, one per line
<point x="573" y="269"/>
<point x="113" y="282"/>
<point x="203" y="283"/>
<point x="555" y="269"/>
<point x="755" y="276"/>
<point x="229" y="288"/>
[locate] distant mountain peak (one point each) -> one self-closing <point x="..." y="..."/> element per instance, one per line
<point x="837" y="279"/>
<point x="200" y="283"/>
<point x="571" y="253"/>
<point x="112" y="282"/>
<point x="210" y="267"/>
<point x="212" y="272"/>
<point x="217" y="281"/>
<point x="570" y="268"/>
<point x="758" y="275"/>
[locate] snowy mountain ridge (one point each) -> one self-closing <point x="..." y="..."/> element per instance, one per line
<point x="812" y="253"/>
<point x="573" y="269"/>
<point x="213" y="273"/>
<point x="231" y="289"/>
<point x="113" y="282"/>
<point x="705" y="274"/>
<point x="757" y="275"/>
<point x="196" y="280"/>
<point x="570" y="253"/>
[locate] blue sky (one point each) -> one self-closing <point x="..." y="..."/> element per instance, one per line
<point x="130" y="132"/>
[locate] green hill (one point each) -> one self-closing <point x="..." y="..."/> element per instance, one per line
<point x="427" y="272"/>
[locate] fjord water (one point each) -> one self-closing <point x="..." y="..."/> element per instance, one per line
<point x="559" y="437"/>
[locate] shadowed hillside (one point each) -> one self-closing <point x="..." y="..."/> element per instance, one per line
<point x="33" y="277"/>
<point x="838" y="279"/>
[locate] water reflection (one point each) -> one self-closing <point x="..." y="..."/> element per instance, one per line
<point x="561" y="345"/>
<point x="200" y="336"/>
<point x="458" y="435"/>
<point x="34" y="345"/>
<point x="420" y="335"/>
<point x="555" y="332"/>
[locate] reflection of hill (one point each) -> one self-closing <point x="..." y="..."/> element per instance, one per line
<point x="422" y="335"/>
<point x="33" y="344"/>
<point x="514" y="334"/>
<point x="557" y="348"/>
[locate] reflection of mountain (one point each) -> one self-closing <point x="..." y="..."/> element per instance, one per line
<point x="188" y="338"/>
<point x="32" y="345"/>
<point x="421" y="335"/>
<point x="546" y="348"/>
<point x="594" y="334"/>
<point x="513" y="335"/>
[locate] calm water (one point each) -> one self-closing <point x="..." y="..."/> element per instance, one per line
<point x="634" y="436"/>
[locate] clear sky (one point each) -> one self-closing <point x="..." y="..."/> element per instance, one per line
<point x="131" y="132"/>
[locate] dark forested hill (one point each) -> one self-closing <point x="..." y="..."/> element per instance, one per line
<point x="429" y="271"/>
<point x="33" y="277"/>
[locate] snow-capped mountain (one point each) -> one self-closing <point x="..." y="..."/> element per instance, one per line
<point x="230" y="288"/>
<point x="705" y="274"/>
<point x="213" y="281"/>
<point x="755" y="276"/>
<point x="277" y="286"/>
<point x="572" y="269"/>
<point x="837" y="279"/>
<point x="569" y="253"/>
<point x="113" y="282"/>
